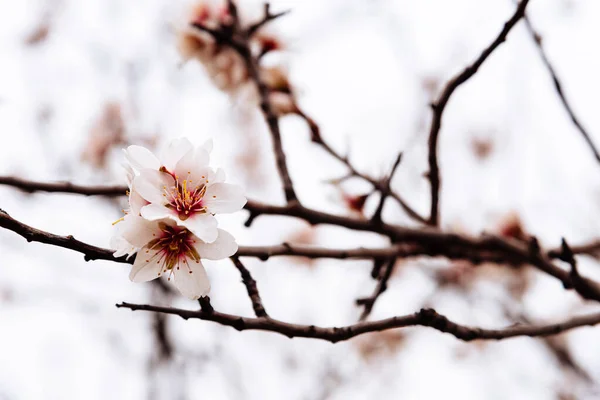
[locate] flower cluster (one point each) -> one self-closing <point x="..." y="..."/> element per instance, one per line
<point x="170" y="223"/>
<point x="225" y="67"/>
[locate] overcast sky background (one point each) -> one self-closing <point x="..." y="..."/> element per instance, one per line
<point x="365" y="71"/>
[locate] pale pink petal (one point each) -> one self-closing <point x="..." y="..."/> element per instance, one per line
<point x="175" y="152"/>
<point x="207" y="146"/>
<point x="225" y="246"/>
<point x="136" y="202"/>
<point x="122" y="247"/>
<point x="191" y="279"/>
<point x="140" y="157"/>
<point x="129" y="173"/>
<point x="153" y="184"/>
<point x="202" y="225"/>
<point x="201" y="157"/>
<point x="219" y="176"/>
<point x="139" y="231"/>
<point x="192" y="167"/>
<point x="155" y="212"/>
<point x="224" y="198"/>
<point x="147" y="266"/>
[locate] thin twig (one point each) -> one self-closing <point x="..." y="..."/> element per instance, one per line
<point x="63" y="187"/>
<point x="558" y="87"/>
<point x="238" y="39"/>
<point x="439" y="105"/>
<point x="267" y="17"/>
<point x="251" y="288"/>
<point x="317" y="138"/>
<point x="425" y="317"/>
<point x="368" y="302"/>
<point x="386" y="191"/>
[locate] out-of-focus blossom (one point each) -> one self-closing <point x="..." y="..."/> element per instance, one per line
<point x="182" y="187"/>
<point x="163" y="247"/>
<point x="107" y="131"/>
<point x="225" y="67"/>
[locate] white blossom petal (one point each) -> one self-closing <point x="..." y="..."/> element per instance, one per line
<point x="224" y="198"/>
<point x="150" y="184"/>
<point x="191" y="279"/>
<point x="202" y="225"/>
<point x="136" y="202"/>
<point x="193" y="166"/>
<point x="175" y="152"/>
<point x="224" y="246"/>
<point x="122" y="247"/>
<point x="207" y="146"/>
<point x="140" y="158"/>
<point x="147" y="265"/>
<point x="155" y="212"/>
<point x="219" y="176"/>
<point x="138" y="231"/>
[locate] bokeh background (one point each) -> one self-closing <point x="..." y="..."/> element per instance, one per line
<point x="79" y="80"/>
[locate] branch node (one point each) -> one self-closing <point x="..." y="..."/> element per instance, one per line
<point x="205" y="305"/>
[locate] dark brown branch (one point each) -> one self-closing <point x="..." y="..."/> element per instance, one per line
<point x="377" y="183"/>
<point x="368" y="302"/>
<point x="251" y="288"/>
<point x="439" y="105"/>
<point x="63" y="187"/>
<point x="267" y="17"/>
<point x="558" y="87"/>
<point x="591" y="249"/>
<point x="425" y="317"/>
<point x="69" y="242"/>
<point x="428" y="242"/>
<point x="385" y="191"/>
<point x="238" y="40"/>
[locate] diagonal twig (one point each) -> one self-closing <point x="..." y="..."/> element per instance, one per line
<point x="368" y="302"/>
<point x="317" y="138"/>
<point x="439" y="105"/>
<point x="251" y="288"/>
<point x="537" y="38"/>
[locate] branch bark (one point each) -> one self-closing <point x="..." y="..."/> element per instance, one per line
<point x="425" y="317"/>
<point x="439" y="106"/>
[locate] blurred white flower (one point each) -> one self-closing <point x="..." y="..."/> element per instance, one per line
<point x="163" y="247"/>
<point x="182" y="187"/>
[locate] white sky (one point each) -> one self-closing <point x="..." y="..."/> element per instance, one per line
<point x="359" y="67"/>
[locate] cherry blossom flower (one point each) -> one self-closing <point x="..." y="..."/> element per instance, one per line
<point x="164" y="248"/>
<point x="183" y="187"/>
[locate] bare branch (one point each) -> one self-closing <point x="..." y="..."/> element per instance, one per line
<point x="377" y="183"/>
<point x="425" y="317"/>
<point x="267" y="17"/>
<point x="239" y="41"/>
<point x="558" y="87"/>
<point x="369" y="302"/>
<point x="386" y="191"/>
<point x="251" y="288"/>
<point x="426" y="242"/>
<point x="63" y="187"/>
<point x="440" y="104"/>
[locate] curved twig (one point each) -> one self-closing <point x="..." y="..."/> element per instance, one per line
<point x="425" y="317"/>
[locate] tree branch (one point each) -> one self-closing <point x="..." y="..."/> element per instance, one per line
<point x="251" y="288"/>
<point x="238" y="39"/>
<point x="377" y="183"/>
<point x="440" y="104"/>
<point x="426" y="242"/>
<point x="368" y="302"/>
<point x="558" y="87"/>
<point x="425" y="317"/>
<point x="63" y="187"/>
<point x="267" y="17"/>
